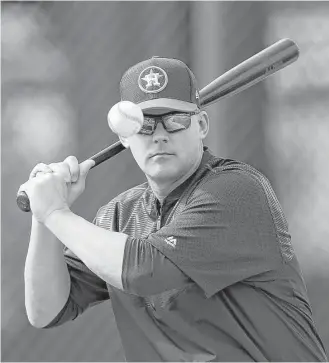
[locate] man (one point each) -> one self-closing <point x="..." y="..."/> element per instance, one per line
<point x="197" y="261"/>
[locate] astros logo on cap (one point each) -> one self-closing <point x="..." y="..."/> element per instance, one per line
<point x="152" y="80"/>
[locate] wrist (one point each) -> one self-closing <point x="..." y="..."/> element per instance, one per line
<point x="53" y="217"/>
<point x="35" y="221"/>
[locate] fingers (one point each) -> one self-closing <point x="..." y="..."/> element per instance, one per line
<point x="39" y="177"/>
<point x="69" y="169"/>
<point x="22" y="188"/>
<point x="40" y="168"/>
<point x="74" y="168"/>
<point x="61" y="169"/>
<point x="85" y="167"/>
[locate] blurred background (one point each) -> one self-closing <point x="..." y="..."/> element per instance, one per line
<point x="61" y="67"/>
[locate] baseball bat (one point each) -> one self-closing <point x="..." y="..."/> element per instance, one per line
<point x="244" y="75"/>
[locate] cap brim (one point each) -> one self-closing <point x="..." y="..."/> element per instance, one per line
<point x="165" y="105"/>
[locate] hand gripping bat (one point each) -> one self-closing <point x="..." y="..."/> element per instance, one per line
<point x="244" y="75"/>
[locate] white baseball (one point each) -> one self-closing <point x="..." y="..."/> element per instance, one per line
<point x="125" y="118"/>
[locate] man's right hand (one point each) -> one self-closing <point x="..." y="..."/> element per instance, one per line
<point x="73" y="173"/>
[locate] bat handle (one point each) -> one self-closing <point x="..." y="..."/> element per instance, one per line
<point x="22" y="198"/>
<point x="107" y="153"/>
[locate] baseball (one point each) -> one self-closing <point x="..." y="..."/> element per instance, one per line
<point x="125" y="118"/>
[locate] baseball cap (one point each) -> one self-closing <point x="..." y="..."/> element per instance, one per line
<point x="161" y="85"/>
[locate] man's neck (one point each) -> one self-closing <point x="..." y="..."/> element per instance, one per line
<point x="162" y="190"/>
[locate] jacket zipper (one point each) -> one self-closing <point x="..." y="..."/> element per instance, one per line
<point x="159" y="220"/>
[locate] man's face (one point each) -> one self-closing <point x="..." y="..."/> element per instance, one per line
<point x="166" y="157"/>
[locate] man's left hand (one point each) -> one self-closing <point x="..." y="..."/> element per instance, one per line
<point x="47" y="192"/>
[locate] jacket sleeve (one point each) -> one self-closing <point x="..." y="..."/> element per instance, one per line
<point x="87" y="289"/>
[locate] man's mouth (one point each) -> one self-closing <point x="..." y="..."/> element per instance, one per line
<point x="160" y="153"/>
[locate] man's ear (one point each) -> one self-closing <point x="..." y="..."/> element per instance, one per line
<point x="203" y="122"/>
<point x="124" y="141"/>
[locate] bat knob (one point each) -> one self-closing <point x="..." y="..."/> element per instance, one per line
<point x="23" y="201"/>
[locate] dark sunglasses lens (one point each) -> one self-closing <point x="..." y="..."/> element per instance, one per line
<point x="148" y="126"/>
<point x="172" y="123"/>
<point x="178" y="122"/>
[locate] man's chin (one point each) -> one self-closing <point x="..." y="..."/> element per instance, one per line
<point x="162" y="174"/>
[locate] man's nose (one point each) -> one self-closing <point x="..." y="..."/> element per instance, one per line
<point x="160" y="134"/>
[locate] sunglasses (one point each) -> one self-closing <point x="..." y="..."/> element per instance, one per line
<point x="172" y="122"/>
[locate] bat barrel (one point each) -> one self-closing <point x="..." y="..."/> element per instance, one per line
<point x="251" y="71"/>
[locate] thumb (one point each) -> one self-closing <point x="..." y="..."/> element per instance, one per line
<point x="85" y="166"/>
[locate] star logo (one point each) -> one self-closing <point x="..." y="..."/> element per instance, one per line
<point x="152" y="80"/>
